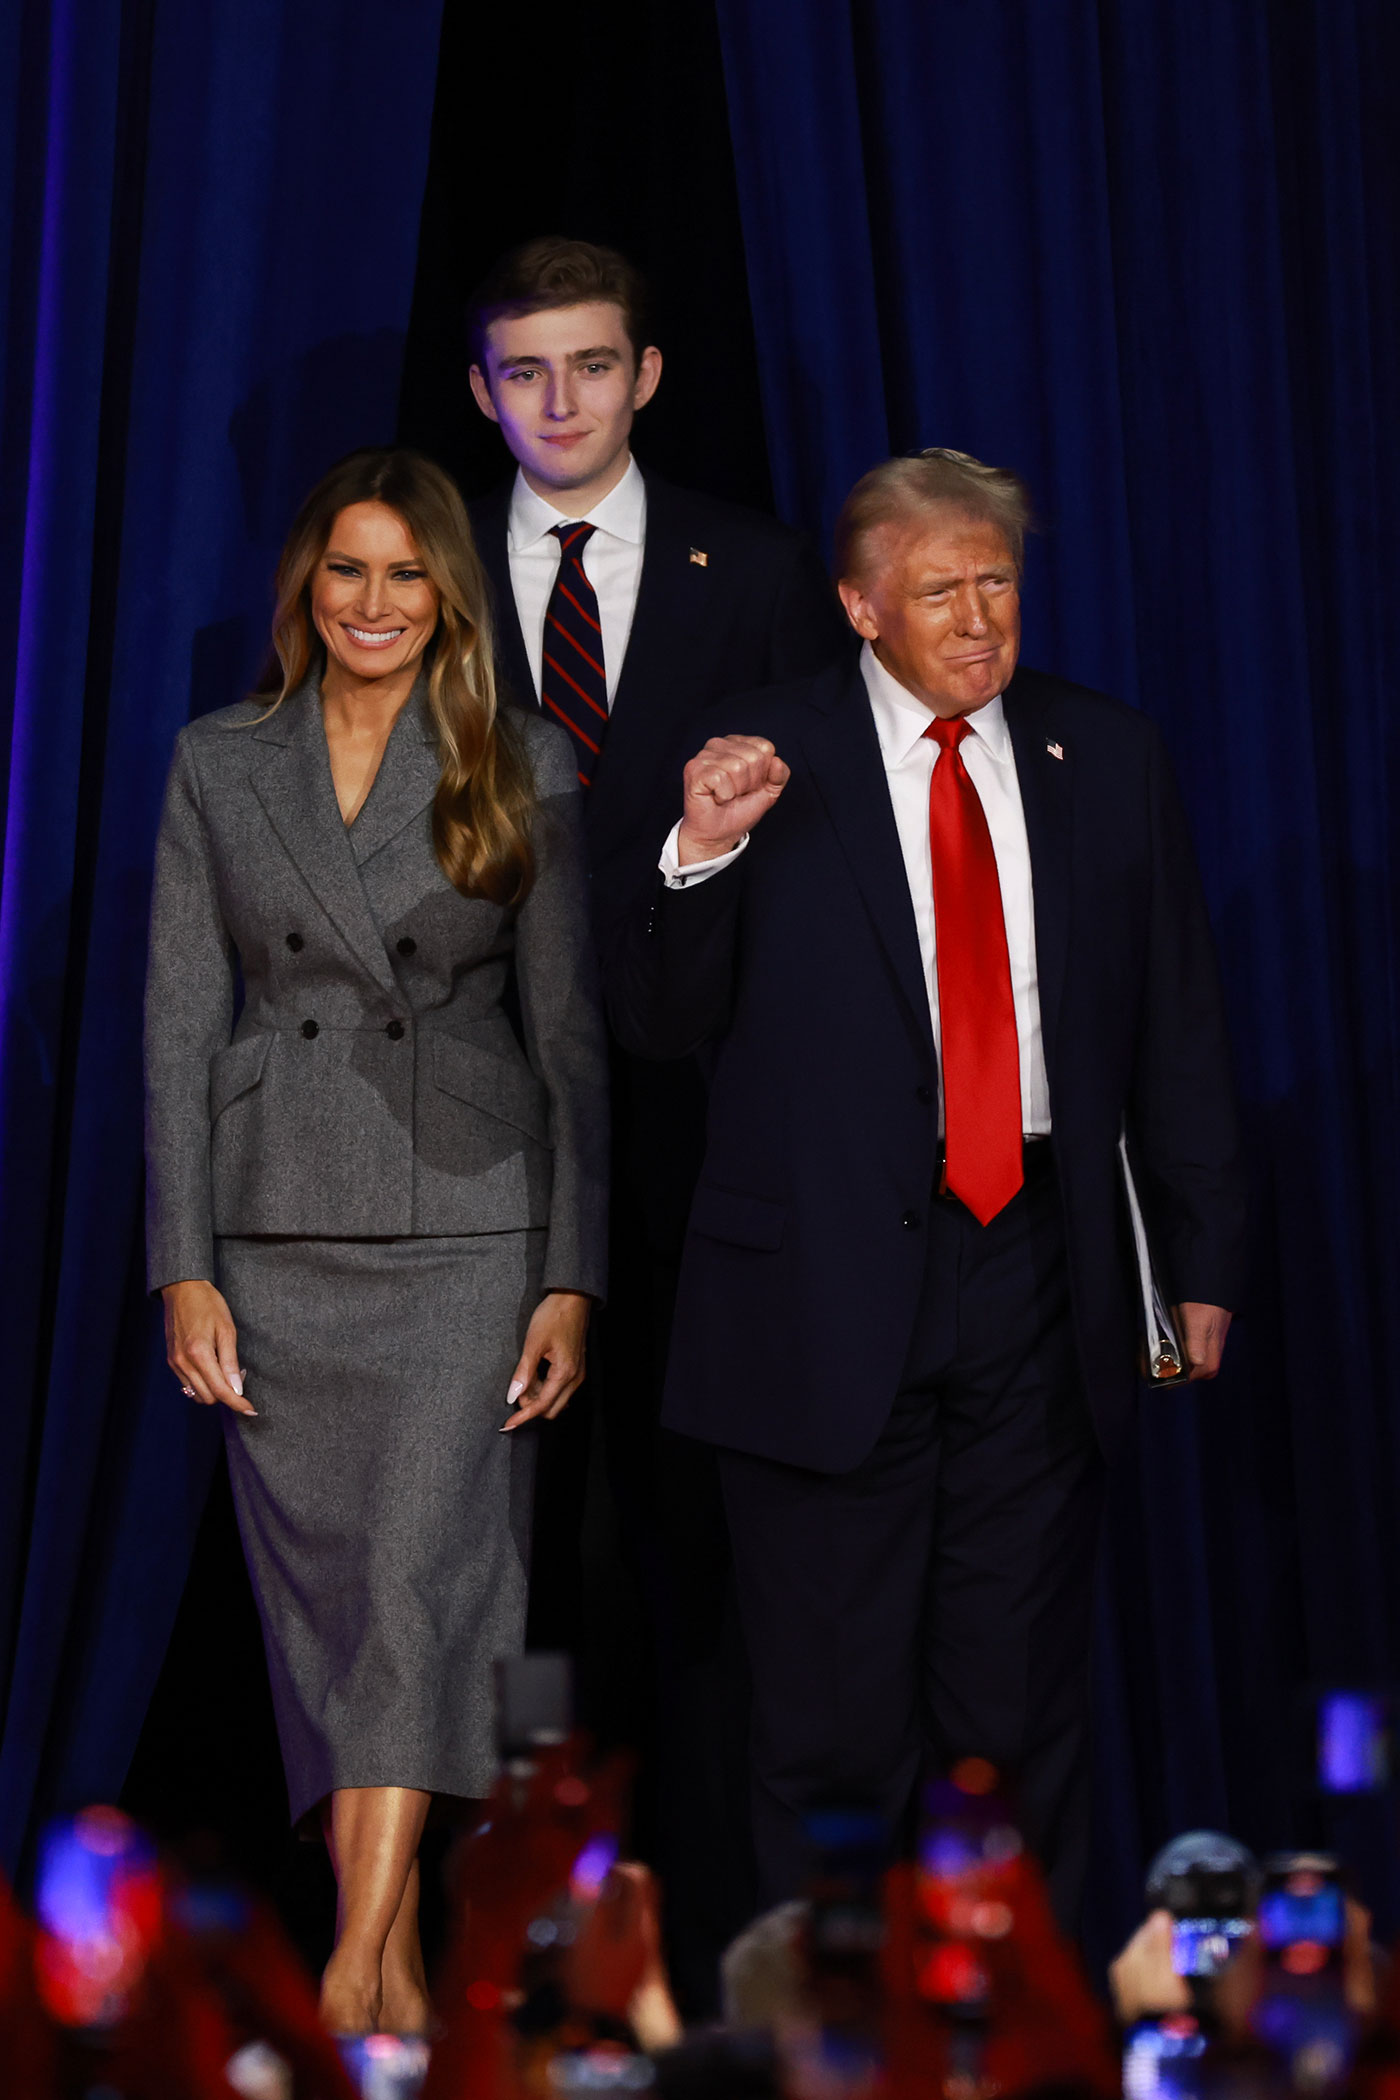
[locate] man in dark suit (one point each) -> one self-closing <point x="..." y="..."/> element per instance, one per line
<point x="625" y="605"/>
<point x="941" y="918"/>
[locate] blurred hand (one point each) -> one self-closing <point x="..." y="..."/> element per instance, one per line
<point x="1203" y="1329"/>
<point x="615" y="1965"/>
<point x="729" y="786"/>
<point x="1359" y="1961"/>
<point x="1144" y="1982"/>
<point x="550" y="1370"/>
<point x="1247" y="1977"/>
<point x="201" y="1346"/>
<point x="518" y="1862"/>
<point x="1142" y="1979"/>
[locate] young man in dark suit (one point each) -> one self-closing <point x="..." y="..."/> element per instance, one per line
<point x="624" y="606"/>
<point x="939" y="920"/>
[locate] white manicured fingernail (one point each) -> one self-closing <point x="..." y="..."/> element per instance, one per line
<point x="236" y="1381"/>
<point x="517" y="1387"/>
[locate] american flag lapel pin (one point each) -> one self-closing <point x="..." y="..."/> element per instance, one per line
<point x="1055" y="750"/>
<point x="700" y="558"/>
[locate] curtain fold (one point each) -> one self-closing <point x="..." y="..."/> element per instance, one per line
<point x="209" y="217"/>
<point x="1142" y="251"/>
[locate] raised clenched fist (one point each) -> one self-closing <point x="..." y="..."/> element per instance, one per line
<point x="729" y="785"/>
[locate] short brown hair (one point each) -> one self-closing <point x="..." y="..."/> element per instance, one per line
<point x="485" y="804"/>
<point x="551" y="272"/>
<point x="903" y="488"/>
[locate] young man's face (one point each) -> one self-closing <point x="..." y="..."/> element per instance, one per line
<point x="564" y="386"/>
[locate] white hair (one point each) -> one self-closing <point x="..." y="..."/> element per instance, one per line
<point x="914" y="484"/>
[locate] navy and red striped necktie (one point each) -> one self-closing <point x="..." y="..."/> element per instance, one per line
<point x="573" y="681"/>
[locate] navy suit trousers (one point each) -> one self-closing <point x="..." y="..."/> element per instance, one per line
<point x="935" y="1603"/>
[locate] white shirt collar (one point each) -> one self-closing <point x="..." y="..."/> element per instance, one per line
<point x="622" y="512"/>
<point x="901" y="720"/>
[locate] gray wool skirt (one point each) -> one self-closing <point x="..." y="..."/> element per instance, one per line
<point x="385" y="1519"/>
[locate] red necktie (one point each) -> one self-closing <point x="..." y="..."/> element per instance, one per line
<point x="977" y="1015"/>
<point x="573" y="683"/>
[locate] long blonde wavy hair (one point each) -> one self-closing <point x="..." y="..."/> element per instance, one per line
<point x="485" y="804"/>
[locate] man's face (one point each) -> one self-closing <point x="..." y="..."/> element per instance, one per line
<point x="938" y="601"/>
<point x="564" y="386"/>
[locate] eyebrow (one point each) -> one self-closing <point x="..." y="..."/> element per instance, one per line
<point x="575" y="357"/>
<point x="405" y="561"/>
<point x="943" y="583"/>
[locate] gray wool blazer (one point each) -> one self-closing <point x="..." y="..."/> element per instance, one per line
<point x="374" y="1085"/>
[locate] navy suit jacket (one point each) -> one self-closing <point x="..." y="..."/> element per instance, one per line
<point x="804" y="1258"/>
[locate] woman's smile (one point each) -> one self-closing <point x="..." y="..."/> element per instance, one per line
<point x="374" y="638"/>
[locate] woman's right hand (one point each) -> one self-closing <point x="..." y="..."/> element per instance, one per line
<point x="201" y="1345"/>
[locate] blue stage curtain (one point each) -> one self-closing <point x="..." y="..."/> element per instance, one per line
<point x="1143" y="251"/>
<point x="208" y="234"/>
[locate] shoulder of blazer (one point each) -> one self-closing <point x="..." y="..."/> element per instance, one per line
<point x="230" y="731"/>
<point x="781" y="712"/>
<point x="244" y="714"/>
<point x="490" y="514"/>
<point x="489" y="517"/>
<point x="710" y="520"/>
<point x="1044" y="695"/>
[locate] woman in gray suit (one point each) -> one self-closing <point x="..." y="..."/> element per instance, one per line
<point x="376" y="1205"/>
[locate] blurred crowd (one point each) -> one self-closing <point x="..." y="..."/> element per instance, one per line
<point x="942" y="1974"/>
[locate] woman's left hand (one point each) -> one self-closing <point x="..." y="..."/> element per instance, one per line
<point x="550" y="1370"/>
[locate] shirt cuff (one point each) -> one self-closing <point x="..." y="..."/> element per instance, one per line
<point x="679" y="878"/>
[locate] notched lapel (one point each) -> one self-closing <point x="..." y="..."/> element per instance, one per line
<point x="674" y="595"/>
<point x="843" y="751"/>
<point x="1045" y="776"/>
<point x="291" y="777"/>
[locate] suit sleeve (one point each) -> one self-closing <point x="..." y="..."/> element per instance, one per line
<point x="1182" y="1111"/>
<point x="562" y="1015"/>
<point x="189" y="1016"/>
<point x="669" y="964"/>
<point x="807" y="630"/>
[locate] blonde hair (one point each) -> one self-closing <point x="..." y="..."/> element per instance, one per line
<point x="900" y="489"/>
<point x="485" y="802"/>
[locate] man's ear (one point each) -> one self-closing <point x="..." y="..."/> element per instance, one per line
<point x="483" y="393"/>
<point x="648" y="376"/>
<point x="858" y="609"/>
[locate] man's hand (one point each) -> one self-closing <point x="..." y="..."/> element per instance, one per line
<point x="1203" y="1329"/>
<point x="729" y="785"/>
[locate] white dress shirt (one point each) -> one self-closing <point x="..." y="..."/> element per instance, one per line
<point x="612" y="562"/>
<point x="909" y="757"/>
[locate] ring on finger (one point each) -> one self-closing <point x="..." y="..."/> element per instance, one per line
<point x="188" y="1391"/>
